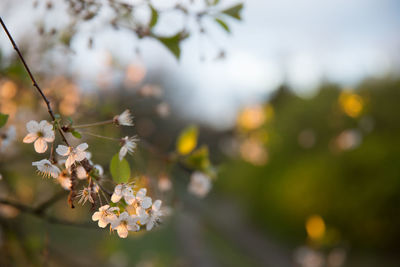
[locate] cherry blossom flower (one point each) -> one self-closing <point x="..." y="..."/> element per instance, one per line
<point x="74" y="154"/>
<point x="105" y="215"/>
<point x="46" y="168"/>
<point x="7" y="138"/>
<point x="125" y="191"/>
<point x="154" y="215"/>
<point x="124" y="223"/>
<point x="65" y="180"/>
<point x="81" y="173"/>
<point x="99" y="169"/>
<point x="128" y="146"/>
<point x="125" y="118"/>
<point x="39" y="133"/>
<point x="142" y="215"/>
<point x="200" y="184"/>
<point x="141" y="200"/>
<point x="85" y="195"/>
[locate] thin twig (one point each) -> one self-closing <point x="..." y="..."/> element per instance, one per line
<point x="45" y="217"/>
<point x="93" y="124"/>
<point x="35" y="84"/>
<point x="46" y="204"/>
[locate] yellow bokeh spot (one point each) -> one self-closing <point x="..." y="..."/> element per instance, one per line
<point x="187" y="140"/>
<point x="251" y="118"/>
<point x="352" y="104"/>
<point x="315" y="227"/>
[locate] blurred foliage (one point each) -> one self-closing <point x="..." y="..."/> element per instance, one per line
<point x="334" y="157"/>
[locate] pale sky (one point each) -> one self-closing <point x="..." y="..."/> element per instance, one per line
<point x="297" y="41"/>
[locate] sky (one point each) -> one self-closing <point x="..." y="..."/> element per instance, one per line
<point x="299" y="42"/>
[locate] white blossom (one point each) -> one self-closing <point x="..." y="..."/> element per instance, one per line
<point x="81" y="173"/>
<point x="142" y="215"/>
<point x="85" y="194"/>
<point x="141" y="200"/>
<point x="65" y="180"/>
<point x="125" y="191"/>
<point x="125" y="118"/>
<point x="46" y="168"/>
<point x="200" y="184"/>
<point x="7" y="138"/>
<point x="128" y="146"/>
<point x="124" y="223"/>
<point x="154" y="215"/>
<point x="40" y="133"/>
<point x="99" y="169"/>
<point x="105" y="215"/>
<point x="74" y="154"/>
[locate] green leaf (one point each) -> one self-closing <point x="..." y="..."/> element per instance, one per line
<point x="154" y="17"/>
<point x="3" y="119"/>
<point x="199" y="159"/>
<point x="223" y="25"/>
<point x="187" y="140"/>
<point x="234" y="11"/>
<point x="173" y="42"/>
<point x="120" y="170"/>
<point x="76" y="134"/>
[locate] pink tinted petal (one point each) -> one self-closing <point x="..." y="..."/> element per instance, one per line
<point x="129" y="199"/>
<point x="69" y="162"/>
<point x="116" y="197"/>
<point x="62" y="150"/>
<point x="40" y="145"/>
<point x="30" y="138"/>
<point x="82" y="147"/>
<point x="32" y="127"/>
<point x="122" y="231"/>
<point x="96" y="216"/>
<point x="81" y="155"/>
<point x="102" y="223"/>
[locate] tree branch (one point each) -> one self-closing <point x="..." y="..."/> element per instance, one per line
<point x="35" y="84"/>
<point x="40" y="214"/>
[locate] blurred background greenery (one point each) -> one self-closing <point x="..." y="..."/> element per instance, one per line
<point x="303" y="180"/>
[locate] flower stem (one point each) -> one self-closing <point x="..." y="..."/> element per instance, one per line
<point x="102" y="137"/>
<point x="93" y="124"/>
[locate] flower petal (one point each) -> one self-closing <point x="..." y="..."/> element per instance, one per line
<point x="70" y="160"/>
<point x="129" y="199"/>
<point x="40" y="145"/>
<point x="157" y="204"/>
<point x="32" y="126"/>
<point x="122" y="231"/>
<point x="102" y="223"/>
<point x="122" y="152"/>
<point x="149" y="225"/>
<point x="30" y="138"/>
<point x="62" y="150"/>
<point x="96" y="216"/>
<point x="80" y="155"/>
<point x="146" y="202"/>
<point x="82" y="147"/>
<point x="115" y="197"/>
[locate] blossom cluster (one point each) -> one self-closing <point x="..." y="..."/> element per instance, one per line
<point x="130" y="211"/>
<point x="126" y="208"/>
